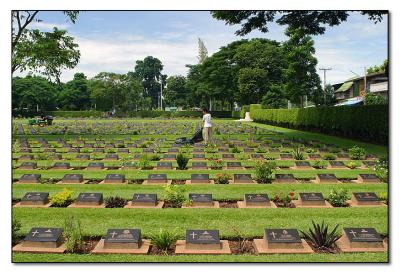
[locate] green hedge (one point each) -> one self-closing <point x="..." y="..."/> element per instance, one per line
<point x="75" y="114"/>
<point x="245" y="108"/>
<point x="236" y="114"/>
<point x="369" y="122"/>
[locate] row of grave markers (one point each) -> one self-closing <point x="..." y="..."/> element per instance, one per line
<point x="130" y="241"/>
<point x="201" y="200"/>
<point x="196" y="178"/>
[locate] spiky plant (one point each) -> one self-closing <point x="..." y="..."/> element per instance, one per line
<point x="320" y="236"/>
<point x="297" y="154"/>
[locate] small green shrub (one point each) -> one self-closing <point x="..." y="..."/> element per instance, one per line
<point x="144" y="162"/>
<point x="297" y="154"/>
<point x="216" y="164"/>
<point x="74" y="242"/>
<point x="62" y="199"/>
<point x="357" y="153"/>
<point x="114" y="202"/>
<point x="353" y="164"/>
<point x="338" y="198"/>
<point x="264" y="171"/>
<point x="382" y="169"/>
<point x="284" y="199"/>
<point x="174" y="195"/>
<point x="235" y="150"/>
<point x="164" y="240"/>
<point x="16" y="226"/>
<point x="329" y="157"/>
<point x="182" y="161"/>
<point x="222" y="178"/>
<point x="319" y="164"/>
<point x="320" y="236"/>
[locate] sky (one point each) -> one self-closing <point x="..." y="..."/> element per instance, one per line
<point x="113" y="41"/>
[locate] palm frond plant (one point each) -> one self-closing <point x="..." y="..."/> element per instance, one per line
<point x="298" y="154"/>
<point x="320" y="236"/>
<point x="164" y="240"/>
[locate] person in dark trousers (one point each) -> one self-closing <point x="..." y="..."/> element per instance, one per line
<point x="207" y="126"/>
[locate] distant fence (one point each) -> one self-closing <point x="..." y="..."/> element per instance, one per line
<point x="369" y="122"/>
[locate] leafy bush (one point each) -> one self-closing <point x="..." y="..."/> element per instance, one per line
<point x="338" y="198"/>
<point x="216" y="164"/>
<point x="114" y="202"/>
<point x="329" y="157"/>
<point x="320" y="236"/>
<point x="182" y="160"/>
<point x="297" y="154"/>
<point x="319" y="164"/>
<point x="222" y="178"/>
<point x="16" y="226"/>
<point x="73" y="235"/>
<point x="174" y="195"/>
<point x="374" y="99"/>
<point x="235" y="150"/>
<point x="370" y="122"/>
<point x="284" y="199"/>
<point x="382" y="169"/>
<point x="353" y="164"/>
<point x="62" y="199"/>
<point x="164" y="240"/>
<point x="264" y="171"/>
<point x="357" y="153"/>
<point x="383" y="196"/>
<point x="144" y="162"/>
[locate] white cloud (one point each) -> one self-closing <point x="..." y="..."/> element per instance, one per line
<point x="45" y="26"/>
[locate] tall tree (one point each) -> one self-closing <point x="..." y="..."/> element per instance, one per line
<point x="301" y="74"/>
<point x="149" y="71"/>
<point x="33" y="92"/>
<point x="203" y="52"/>
<point x="310" y="22"/>
<point x="75" y="94"/>
<point x="176" y="92"/>
<point x="46" y="53"/>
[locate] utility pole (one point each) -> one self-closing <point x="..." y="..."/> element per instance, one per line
<point x="365" y="80"/>
<point x="325" y="69"/>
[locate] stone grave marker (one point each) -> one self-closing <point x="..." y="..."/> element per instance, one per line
<point x="83" y="157"/>
<point x="326" y="178"/>
<point x="256" y="200"/>
<point x="368" y="178"/>
<point x="35" y="198"/>
<point x="274" y="150"/>
<point x="223" y="150"/>
<point x="89" y="199"/>
<point x="148" y="150"/>
<point x="284" y="178"/>
<point x="123" y="150"/>
<point x="28" y="166"/>
<point x="144" y="199"/>
<point x="200" y="178"/>
<point x="311" y="199"/>
<point x="164" y="165"/>
<point x="43" y="238"/>
<point x="233" y="165"/>
<point x="228" y="156"/>
<point x="362" y="238"/>
<point x="314" y="156"/>
<point x="114" y="178"/>
<point x="257" y="156"/>
<point x="111" y="157"/>
<point x="173" y="150"/>
<point x="123" y="239"/>
<point x="198" y="150"/>
<point x="201" y="199"/>
<point x="198" y="156"/>
<point x="199" y="165"/>
<point x="248" y="150"/>
<point x="337" y="164"/>
<point x="61" y="166"/>
<point x="98" y="150"/>
<point x="302" y="164"/>
<point x="95" y="166"/>
<point x="26" y="157"/>
<point x="369" y="164"/>
<point x="286" y="156"/>
<point x="365" y="198"/>
<point x="30" y="178"/>
<point x="169" y="156"/>
<point x="157" y="178"/>
<point x="202" y="239"/>
<point x="72" y="178"/>
<point x="242" y="178"/>
<point x="74" y="150"/>
<point x="283" y="238"/>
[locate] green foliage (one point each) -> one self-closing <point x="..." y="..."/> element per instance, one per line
<point x="182" y="160"/>
<point x="264" y="171"/>
<point x="338" y="198"/>
<point x="284" y="199"/>
<point x="320" y="236"/>
<point x="235" y="150"/>
<point x="357" y="153"/>
<point x="176" y="92"/>
<point x="353" y="164"/>
<point x="73" y="235"/>
<point x="274" y="98"/>
<point x="216" y="164"/>
<point x="222" y="178"/>
<point x="382" y="169"/>
<point x="374" y="99"/>
<point x="174" y="195"/>
<point x="319" y="164"/>
<point x="16" y="226"/>
<point x="164" y="240"/>
<point x="75" y="94"/>
<point x="367" y="123"/>
<point x="114" y="202"/>
<point x="62" y="199"/>
<point x="329" y="156"/>
<point x="378" y="69"/>
<point x="298" y="154"/>
<point x="144" y="162"/>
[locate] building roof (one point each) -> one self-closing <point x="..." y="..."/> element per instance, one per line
<point x="344" y="87"/>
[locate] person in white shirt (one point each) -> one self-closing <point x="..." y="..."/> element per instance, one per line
<point x="207" y="126"/>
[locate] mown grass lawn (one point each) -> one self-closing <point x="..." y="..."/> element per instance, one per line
<point x="287" y="258"/>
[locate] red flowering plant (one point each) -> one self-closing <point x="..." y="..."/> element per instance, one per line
<point x="284" y="200"/>
<point x="216" y="164"/>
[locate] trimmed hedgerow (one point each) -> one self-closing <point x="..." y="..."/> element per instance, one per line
<point x="368" y="122"/>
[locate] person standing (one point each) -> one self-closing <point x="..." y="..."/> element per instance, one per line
<point x="207" y="126"/>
